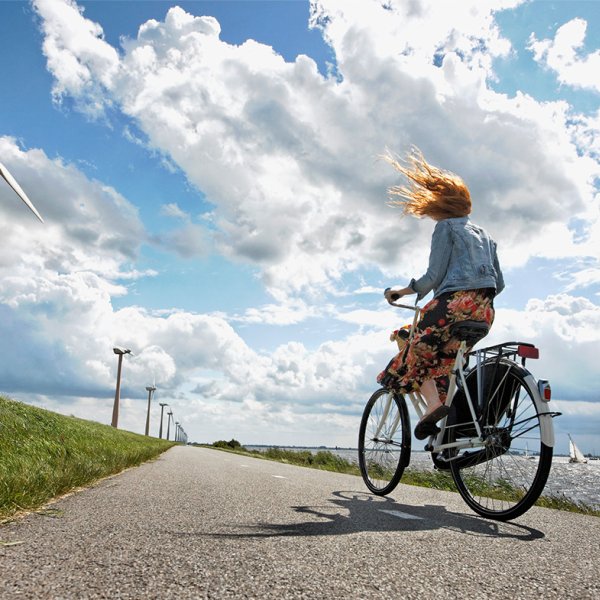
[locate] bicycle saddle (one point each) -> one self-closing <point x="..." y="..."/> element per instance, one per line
<point x="469" y="331"/>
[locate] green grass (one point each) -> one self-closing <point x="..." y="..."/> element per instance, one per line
<point x="323" y="459"/>
<point x="438" y="480"/>
<point x="44" y="454"/>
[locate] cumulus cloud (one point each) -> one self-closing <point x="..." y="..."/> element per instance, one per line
<point x="566" y="328"/>
<point x="565" y="56"/>
<point x="58" y="312"/>
<point x="74" y="207"/>
<point x="58" y="281"/>
<point x="74" y="46"/>
<point x="288" y="156"/>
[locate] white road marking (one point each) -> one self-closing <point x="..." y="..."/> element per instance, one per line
<point x="401" y="515"/>
<point x="279" y="476"/>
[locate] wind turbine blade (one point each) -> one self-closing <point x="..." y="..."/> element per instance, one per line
<point x="17" y="188"/>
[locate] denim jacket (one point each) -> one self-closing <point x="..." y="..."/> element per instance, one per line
<point x="463" y="257"/>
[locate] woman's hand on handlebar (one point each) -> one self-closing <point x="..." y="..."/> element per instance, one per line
<point x="394" y="294"/>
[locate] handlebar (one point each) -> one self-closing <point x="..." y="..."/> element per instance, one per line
<point x="396" y="297"/>
<point x="414" y="307"/>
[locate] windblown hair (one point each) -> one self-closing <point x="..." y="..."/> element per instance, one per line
<point x="430" y="192"/>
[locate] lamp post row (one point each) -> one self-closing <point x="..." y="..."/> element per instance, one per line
<point x="180" y="435"/>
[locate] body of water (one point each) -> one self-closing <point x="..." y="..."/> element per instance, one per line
<point x="579" y="482"/>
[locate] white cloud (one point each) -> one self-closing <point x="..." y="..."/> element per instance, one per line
<point x="371" y="318"/>
<point x="189" y="241"/>
<point x="367" y="289"/>
<point x="578" y="408"/>
<point x="289" y="312"/>
<point x="583" y="278"/>
<point x="585" y="130"/>
<point x="413" y="30"/>
<point x="173" y="210"/>
<point x="564" y="55"/>
<point x="566" y="329"/>
<point x="57" y="282"/>
<point x="77" y="54"/>
<point x="73" y="206"/>
<point x="288" y="157"/>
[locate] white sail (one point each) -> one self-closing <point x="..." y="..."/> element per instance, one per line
<point x="575" y="454"/>
<point x="527" y="455"/>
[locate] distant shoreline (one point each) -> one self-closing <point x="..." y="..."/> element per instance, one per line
<point x="291" y="446"/>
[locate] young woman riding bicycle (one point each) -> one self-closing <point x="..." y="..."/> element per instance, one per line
<point x="463" y="273"/>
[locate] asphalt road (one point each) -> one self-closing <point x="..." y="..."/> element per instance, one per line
<point x="200" y="523"/>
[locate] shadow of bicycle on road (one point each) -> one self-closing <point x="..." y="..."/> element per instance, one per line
<point x="349" y="512"/>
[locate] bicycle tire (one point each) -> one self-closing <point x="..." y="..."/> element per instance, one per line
<point x="383" y="454"/>
<point x="502" y="481"/>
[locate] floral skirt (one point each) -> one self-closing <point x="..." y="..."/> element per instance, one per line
<point x="432" y="351"/>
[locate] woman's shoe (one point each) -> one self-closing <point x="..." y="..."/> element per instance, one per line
<point x="427" y="425"/>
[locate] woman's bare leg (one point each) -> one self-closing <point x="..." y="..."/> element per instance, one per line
<point x="431" y="395"/>
<point x="436" y="410"/>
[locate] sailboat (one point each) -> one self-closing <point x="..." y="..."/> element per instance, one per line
<point x="575" y="454"/>
<point x="527" y="455"/>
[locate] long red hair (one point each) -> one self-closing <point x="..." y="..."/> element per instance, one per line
<point x="430" y="192"/>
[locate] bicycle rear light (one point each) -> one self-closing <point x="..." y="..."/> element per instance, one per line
<point x="545" y="391"/>
<point x="528" y="351"/>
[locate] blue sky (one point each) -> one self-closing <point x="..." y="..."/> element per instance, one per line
<point x="212" y="197"/>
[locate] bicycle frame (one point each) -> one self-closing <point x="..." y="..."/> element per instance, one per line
<point x="435" y="443"/>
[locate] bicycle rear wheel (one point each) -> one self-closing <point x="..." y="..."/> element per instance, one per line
<point x="384" y="441"/>
<point x="503" y="479"/>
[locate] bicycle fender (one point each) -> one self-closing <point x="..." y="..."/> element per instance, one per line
<point x="543" y="408"/>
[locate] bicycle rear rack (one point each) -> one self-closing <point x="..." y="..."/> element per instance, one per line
<point x="510" y="350"/>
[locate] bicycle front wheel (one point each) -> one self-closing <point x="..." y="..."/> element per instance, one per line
<point x="504" y="479"/>
<point x="384" y="441"/>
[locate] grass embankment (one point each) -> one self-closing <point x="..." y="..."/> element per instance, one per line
<point x="438" y="480"/>
<point x="44" y="454"/>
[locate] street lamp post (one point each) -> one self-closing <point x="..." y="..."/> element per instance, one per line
<point x="149" y="389"/>
<point x="162" y="408"/>
<point x="169" y="416"/>
<point x="115" y="416"/>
